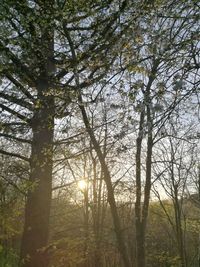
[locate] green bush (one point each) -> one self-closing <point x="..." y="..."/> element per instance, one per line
<point x="8" y="258"/>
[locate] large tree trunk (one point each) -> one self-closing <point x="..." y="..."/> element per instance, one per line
<point x="37" y="211"/>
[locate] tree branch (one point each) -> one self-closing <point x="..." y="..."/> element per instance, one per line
<point x="19" y="85"/>
<point x="13" y="112"/>
<point x="22" y="69"/>
<point x="17" y="101"/>
<point x="15" y="138"/>
<point x="14" y="155"/>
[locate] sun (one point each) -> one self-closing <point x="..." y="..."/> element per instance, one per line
<point x="82" y="184"/>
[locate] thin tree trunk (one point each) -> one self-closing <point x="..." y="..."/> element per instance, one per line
<point x="96" y="217"/>
<point x="179" y="230"/>
<point x="141" y="211"/>
<point x="138" y="223"/>
<point x="107" y="178"/>
<point x="86" y="227"/>
<point x="111" y="198"/>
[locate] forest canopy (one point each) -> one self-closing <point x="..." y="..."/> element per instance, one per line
<point x="99" y="133"/>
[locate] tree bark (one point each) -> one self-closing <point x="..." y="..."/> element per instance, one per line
<point x="37" y="210"/>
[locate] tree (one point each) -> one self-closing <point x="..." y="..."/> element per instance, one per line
<point x="38" y="86"/>
<point x="11" y="209"/>
<point x="57" y="59"/>
<point x="174" y="171"/>
<point x="158" y="46"/>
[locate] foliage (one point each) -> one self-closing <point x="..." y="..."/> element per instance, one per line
<point x="106" y="92"/>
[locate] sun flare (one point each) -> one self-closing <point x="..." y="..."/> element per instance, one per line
<point x="82" y="184"/>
